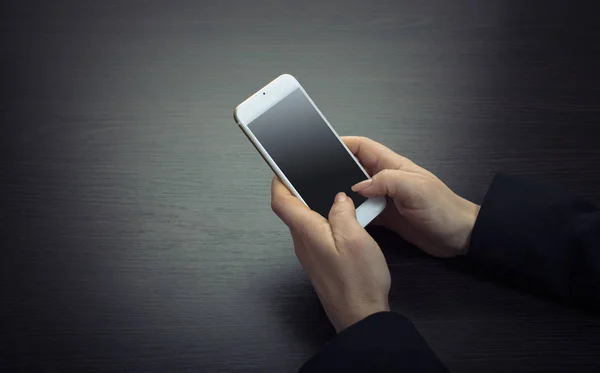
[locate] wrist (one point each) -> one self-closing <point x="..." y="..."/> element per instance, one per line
<point x="470" y="212"/>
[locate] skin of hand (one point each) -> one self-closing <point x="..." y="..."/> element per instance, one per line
<point x="424" y="211"/>
<point x="345" y="265"/>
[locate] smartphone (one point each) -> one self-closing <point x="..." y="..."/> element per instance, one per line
<point x="303" y="149"/>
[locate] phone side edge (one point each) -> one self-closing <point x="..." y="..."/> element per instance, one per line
<point x="370" y="209"/>
<point x="267" y="158"/>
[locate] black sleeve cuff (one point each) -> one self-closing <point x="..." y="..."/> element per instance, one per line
<point x="521" y="234"/>
<point x="384" y="341"/>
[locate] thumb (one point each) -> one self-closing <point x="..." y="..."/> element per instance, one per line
<point x="392" y="183"/>
<point x="342" y="217"/>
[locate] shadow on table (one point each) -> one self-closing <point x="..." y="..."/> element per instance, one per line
<point x="296" y="305"/>
<point x="394" y="247"/>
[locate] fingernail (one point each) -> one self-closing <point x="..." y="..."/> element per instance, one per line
<point x="362" y="185"/>
<point x="340" y="197"/>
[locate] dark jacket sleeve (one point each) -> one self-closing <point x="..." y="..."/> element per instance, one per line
<point x="540" y="239"/>
<point x="382" y="342"/>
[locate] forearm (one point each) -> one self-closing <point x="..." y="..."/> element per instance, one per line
<point x="540" y="239"/>
<point x="382" y="342"/>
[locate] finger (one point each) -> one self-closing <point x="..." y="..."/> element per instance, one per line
<point x="342" y="218"/>
<point x="397" y="184"/>
<point x="293" y="212"/>
<point x="376" y="157"/>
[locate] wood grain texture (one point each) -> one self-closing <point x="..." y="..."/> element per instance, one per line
<point x="135" y="225"/>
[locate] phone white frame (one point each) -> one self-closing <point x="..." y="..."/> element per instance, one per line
<point x="269" y="96"/>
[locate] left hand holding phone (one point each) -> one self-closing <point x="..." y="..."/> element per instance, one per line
<point x="344" y="263"/>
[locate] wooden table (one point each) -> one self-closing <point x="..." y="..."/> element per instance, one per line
<point x="136" y="232"/>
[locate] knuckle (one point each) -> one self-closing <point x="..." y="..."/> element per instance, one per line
<point x="406" y="161"/>
<point x="347" y="238"/>
<point x="423" y="186"/>
<point x="384" y="177"/>
<point x="344" y="236"/>
<point x="422" y="181"/>
<point x="385" y="174"/>
<point x="336" y="211"/>
<point x="316" y="231"/>
<point x="403" y="162"/>
<point x="276" y="205"/>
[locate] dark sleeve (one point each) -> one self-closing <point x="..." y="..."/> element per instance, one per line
<point x="539" y="239"/>
<point x="382" y="342"/>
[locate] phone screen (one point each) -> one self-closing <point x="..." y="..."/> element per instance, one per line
<point x="308" y="152"/>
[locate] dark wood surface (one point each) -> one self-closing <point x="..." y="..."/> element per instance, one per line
<point x="136" y="233"/>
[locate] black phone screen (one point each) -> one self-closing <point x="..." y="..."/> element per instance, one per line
<point x="308" y="152"/>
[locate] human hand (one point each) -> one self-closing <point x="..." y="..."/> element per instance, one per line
<point x="343" y="262"/>
<point x="425" y="211"/>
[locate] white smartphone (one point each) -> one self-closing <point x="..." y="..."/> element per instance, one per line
<point x="302" y="148"/>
